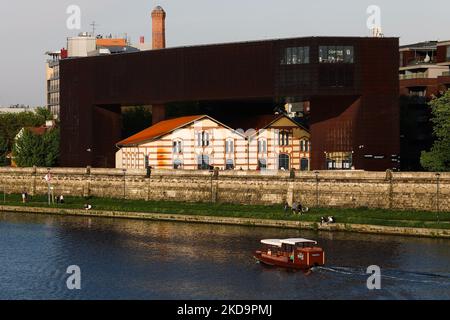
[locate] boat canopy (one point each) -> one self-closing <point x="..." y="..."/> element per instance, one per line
<point x="272" y="242"/>
<point x="290" y="241"/>
<point x="295" y="241"/>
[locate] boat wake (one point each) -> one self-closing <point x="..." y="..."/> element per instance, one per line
<point x="392" y="274"/>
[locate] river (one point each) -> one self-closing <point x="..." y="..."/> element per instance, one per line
<point x="134" y="259"/>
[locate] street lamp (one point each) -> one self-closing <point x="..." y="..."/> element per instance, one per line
<point x="317" y="187"/>
<point x="438" y="175"/>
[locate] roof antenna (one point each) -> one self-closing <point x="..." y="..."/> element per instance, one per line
<point x="93" y="24"/>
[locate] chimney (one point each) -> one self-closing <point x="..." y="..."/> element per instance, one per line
<point x="159" y="28"/>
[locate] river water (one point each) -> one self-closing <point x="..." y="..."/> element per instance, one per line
<point x="133" y="259"/>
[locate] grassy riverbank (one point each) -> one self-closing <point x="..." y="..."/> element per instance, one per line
<point x="393" y="218"/>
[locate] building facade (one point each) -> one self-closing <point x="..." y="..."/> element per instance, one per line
<point x="52" y="81"/>
<point x="202" y="143"/>
<point x="424" y="69"/>
<point x="424" y="73"/>
<point x="351" y="85"/>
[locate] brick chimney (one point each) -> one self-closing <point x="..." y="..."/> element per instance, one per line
<point x="159" y="28"/>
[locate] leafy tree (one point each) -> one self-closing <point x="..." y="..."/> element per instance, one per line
<point x="3" y="151"/>
<point x="135" y="120"/>
<point x="12" y="123"/>
<point x="44" y="114"/>
<point x="51" y="141"/>
<point x="438" y="158"/>
<point x="37" y="150"/>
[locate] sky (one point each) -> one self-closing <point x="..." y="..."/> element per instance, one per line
<point x="30" y="28"/>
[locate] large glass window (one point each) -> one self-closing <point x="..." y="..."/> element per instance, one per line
<point x="448" y="53"/>
<point x="203" y="162"/>
<point x="283" y="162"/>
<point x="262" y="164"/>
<point x="229" y="164"/>
<point x="295" y="55"/>
<point x="229" y="146"/>
<point x="339" y="161"/>
<point x="304" y="164"/>
<point x="336" y="54"/>
<point x="262" y="146"/>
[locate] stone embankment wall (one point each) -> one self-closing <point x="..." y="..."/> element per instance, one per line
<point x="412" y="190"/>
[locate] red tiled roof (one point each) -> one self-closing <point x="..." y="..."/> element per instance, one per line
<point x="159" y="129"/>
<point x="38" y="130"/>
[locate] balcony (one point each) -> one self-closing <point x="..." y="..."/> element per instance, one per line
<point x="446" y="74"/>
<point x="418" y="75"/>
<point x="52" y="63"/>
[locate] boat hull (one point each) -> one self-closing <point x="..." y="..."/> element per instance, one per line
<point x="284" y="261"/>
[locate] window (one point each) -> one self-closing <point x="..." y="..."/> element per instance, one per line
<point x="229" y="146"/>
<point x="177" y="147"/>
<point x="202" y="139"/>
<point x="229" y="164"/>
<point x="283" y="162"/>
<point x="339" y="161"/>
<point x="336" y="54"/>
<point x="304" y="164"/>
<point x="262" y="164"/>
<point x="295" y="55"/>
<point x="283" y="138"/>
<point x="304" y="145"/>
<point x="178" y="164"/>
<point x="203" y="162"/>
<point x="262" y="146"/>
<point x="418" y="92"/>
<point x="448" y="53"/>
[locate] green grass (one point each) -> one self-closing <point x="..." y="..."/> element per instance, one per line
<point x="416" y="219"/>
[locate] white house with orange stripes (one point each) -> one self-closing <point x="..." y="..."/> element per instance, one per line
<point x="201" y="142"/>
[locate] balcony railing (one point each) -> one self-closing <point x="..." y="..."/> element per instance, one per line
<point x="419" y="75"/>
<point x="446" y="74"/>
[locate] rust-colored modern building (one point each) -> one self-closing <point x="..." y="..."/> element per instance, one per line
<point x="351" y="84"/>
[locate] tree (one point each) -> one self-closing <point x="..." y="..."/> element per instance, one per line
<point x="37" y="150"/>
<point x="135" y="120"/>
<point x="438" y="158"/>
<point x="12" y="123"/>
<point x="3" y="151"/>
<point x="44" y="114"/>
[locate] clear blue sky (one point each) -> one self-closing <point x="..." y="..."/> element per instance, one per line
<point x="30" y="28"/>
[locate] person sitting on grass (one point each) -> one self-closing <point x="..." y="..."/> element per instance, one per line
<point x="87" y="206"/>
<point x="295" y="207"/>
<point x="286" y="207"/>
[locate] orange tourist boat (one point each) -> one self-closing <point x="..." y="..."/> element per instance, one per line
<point x="296" y="253"/>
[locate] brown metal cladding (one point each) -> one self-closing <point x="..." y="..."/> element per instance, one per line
<point x="362" y="110"/>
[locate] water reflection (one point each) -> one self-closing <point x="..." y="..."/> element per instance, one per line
<point x="136" y="259"/>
